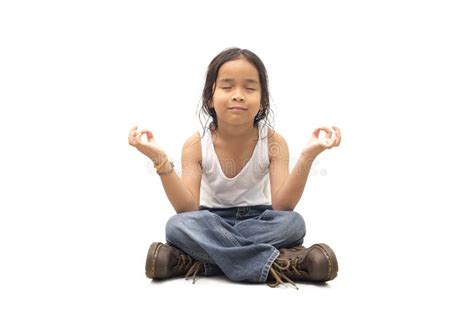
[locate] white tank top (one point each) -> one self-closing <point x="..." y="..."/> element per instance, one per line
<point x="251" y="186"/>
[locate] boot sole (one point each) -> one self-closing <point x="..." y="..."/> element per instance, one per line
<point x="150" y="259"/>
<point x="331" y="257"/>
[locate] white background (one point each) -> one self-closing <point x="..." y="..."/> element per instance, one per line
<point x="79" y="206"/>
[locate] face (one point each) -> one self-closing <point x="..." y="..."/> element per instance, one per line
<point x="237" y="93"/>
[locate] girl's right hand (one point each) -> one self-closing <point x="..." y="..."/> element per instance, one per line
<point x="148" y="148"/>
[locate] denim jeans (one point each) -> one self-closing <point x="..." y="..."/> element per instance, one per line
<point x="240" y="242"/>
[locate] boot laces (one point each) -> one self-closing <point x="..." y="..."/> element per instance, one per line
<point x="189" y="265"/>
<point x="279" y="269"/>
<point x="282" y="267"/>
<point x="184" y="262"/>
<point x="294" y="264"/>
<point x="194" y="269"/>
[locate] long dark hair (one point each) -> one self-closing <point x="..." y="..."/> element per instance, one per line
<point x="211" y="77"/>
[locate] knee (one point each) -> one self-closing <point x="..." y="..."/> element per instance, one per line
<point x="183" y="224"/>
<point x="299" y="221"/>
<point x="295" y="227"/>
<point x="174" y="224"/>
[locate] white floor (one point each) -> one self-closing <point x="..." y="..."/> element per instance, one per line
<point x="104" y="274"/>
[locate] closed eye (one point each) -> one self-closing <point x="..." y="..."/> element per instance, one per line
<point x="227" y="88"/>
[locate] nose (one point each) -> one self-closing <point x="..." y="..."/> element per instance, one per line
<point x="237" y="97"/>
<point x="240" y="99"/>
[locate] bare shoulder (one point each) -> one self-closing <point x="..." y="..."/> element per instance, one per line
<point x="274" y="136"/>
<point x="193" y="140"/>
<point x="277" y="144"/>
<point x="192" y="147"/>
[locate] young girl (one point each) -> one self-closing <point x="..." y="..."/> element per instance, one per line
<point x="235" y="198"/>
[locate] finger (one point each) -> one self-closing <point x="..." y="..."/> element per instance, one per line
<point x="134" y="140"/>
<point x="328" y="132"/>
<point x="327" y="143"/>
<point x="137" y="137"/>
<point x="148" y="133"/>
<point x="330" y="142"/>
<point x="132" y="131"/>
<point x="149" y="136"/>
<point x="132" y="134"/>
<point x="316" y="132"/>
<point x="338" y="135"/>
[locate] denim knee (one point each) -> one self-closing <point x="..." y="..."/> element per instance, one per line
<point x="295" y="227"/>
<point x="176" y="226"/>
<point x="183" y="224"/>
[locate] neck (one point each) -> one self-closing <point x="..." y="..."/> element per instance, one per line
<point x="232" y="133"/>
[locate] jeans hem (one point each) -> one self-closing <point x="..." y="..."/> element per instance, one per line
<point x="203" y="258"/>
<point x="266" y="268"/>
<point x="207" y="267"/>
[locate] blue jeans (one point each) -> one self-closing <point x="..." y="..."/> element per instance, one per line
<point x="240" y="242"/>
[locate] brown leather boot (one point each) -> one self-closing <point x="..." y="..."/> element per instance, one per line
<point x="165" y="261"/>
<point x="317" y="263"/>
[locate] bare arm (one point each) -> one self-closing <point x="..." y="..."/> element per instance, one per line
<point x="288" y="194"/>
<point x="183" y="193"/>
<point x="287" y="189"/>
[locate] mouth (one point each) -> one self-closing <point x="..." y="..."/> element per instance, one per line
<point x="237" y="108"/>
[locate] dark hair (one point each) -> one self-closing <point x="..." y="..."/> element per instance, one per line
<point x="211" y="77"/>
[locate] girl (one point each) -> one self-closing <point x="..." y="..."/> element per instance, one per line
<point x="235" y="198"/>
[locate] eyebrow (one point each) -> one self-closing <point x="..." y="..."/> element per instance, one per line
<point x="232" y="80"/>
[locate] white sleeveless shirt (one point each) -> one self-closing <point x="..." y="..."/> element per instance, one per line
<point x="251" y="186"/>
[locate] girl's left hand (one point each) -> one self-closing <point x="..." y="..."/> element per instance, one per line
<point x="317" y="145"/>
